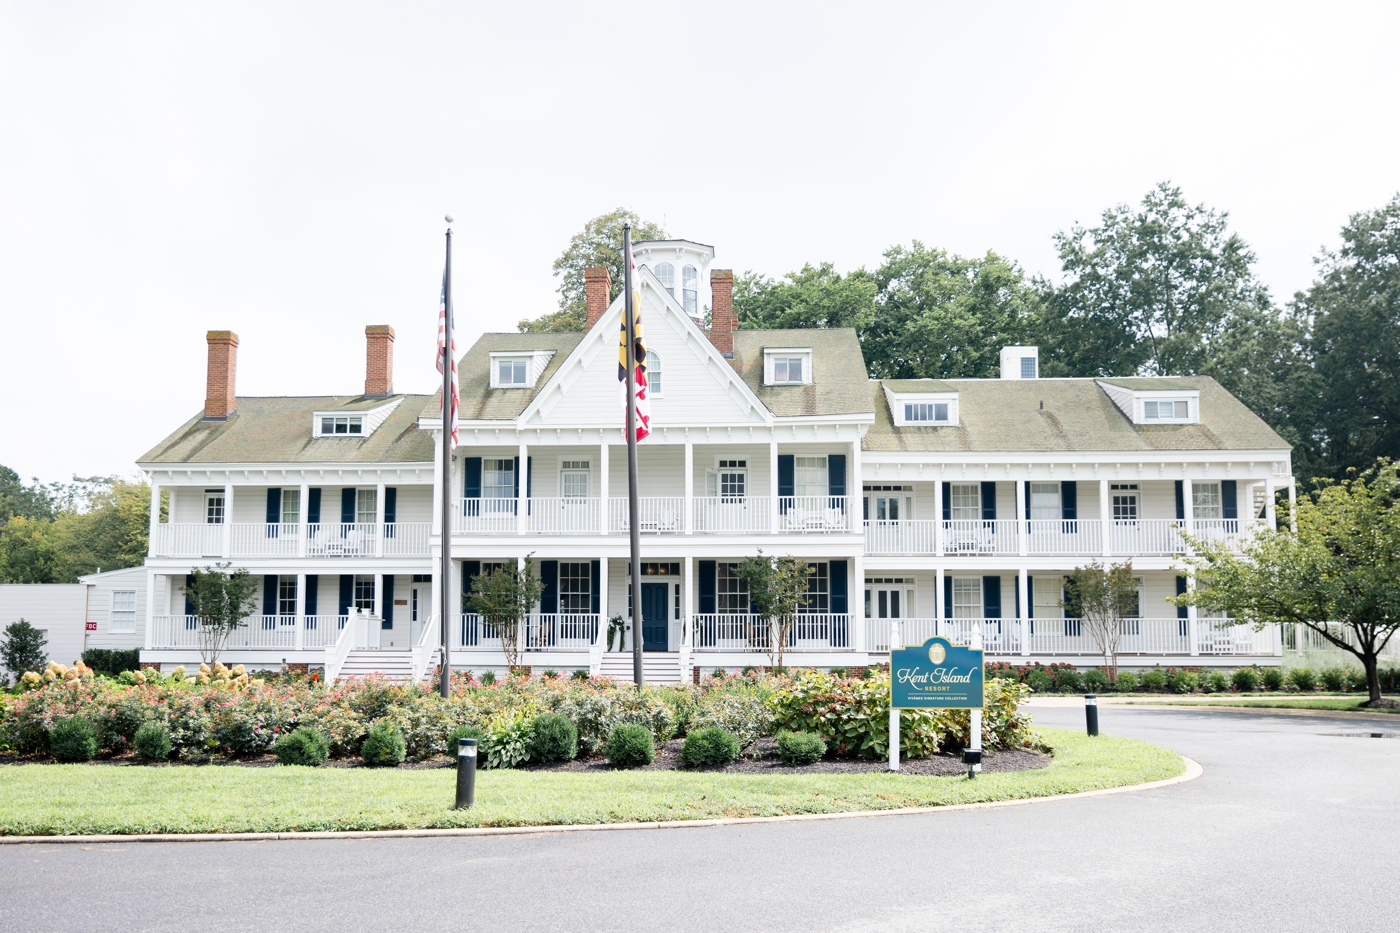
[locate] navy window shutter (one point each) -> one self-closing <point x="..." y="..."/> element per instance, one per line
<point x="1180" y="502"/>
<point x="1030" y="597"/>
<point x="549" y="576"/>
<point x="347" y="505"/>
<point x="1229" y="500"/>
<point x="270" y="594"/>
<point x="274" y="506"/>
<point x="313" y="505"/>
<point x="1181" y="612"/>
<point x="1069" y="500"/>
<point x="1027" y="508"/>
<point x="471" y="477"/>
<point x="347" y="593"/>
<point x="787" y="475"/>
<point x="836" y="475"/>
<point x="989" y="502"/>
<point x="386" y="602"/>
<point x="947" y="502"/>
<point x="707" y="586"/>
<point x="313" y="583"/>
<point x="391" y="504"/>
<point x="189" y="603"/>
<point x="529" y="477"/>
<point x="1016" y="594"/>
<point x="596" y="580"/>
<point x="837" y="577"/>
<point x="991" y="597"/>
<point x="471" y="569"/>
<point x="515" y="478"/>
<point x="947" y="597"/>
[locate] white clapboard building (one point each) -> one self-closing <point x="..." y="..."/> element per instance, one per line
<point x="951" y="505"/>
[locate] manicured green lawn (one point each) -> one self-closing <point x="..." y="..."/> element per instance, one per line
<point x="80" y="799"/>
<point x="1337" y="703"/>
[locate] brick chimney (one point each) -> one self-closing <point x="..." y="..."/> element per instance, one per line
<point x="722" y="320"/>
<point x="379" y="360"/>
<point x="219" y="398"/>
<point x="597" y="292"/>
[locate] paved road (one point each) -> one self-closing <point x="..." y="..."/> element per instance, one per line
<point x="1289" y="829"/>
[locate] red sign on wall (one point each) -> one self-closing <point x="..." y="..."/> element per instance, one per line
<point x="92" y="625"/>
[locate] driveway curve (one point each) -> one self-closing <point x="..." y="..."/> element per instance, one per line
<point x="1290" y="828"/>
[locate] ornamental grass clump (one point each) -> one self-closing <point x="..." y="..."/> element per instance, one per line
<point x="73" y="739"/>
<point x="383" y="746"/>
<point x="152" y="741"/>
<point x="800" y="748"/>
<point x="630" y="746"/>
<point x="304" y="746"/>
<point x="710" y="748"/>
<point x="554" y="739"/>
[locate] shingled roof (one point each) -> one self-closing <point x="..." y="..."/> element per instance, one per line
<point x="1006" y="416"/>
<point x="278" y="430"/>
<point x="840" y="384"/>
<point x="480" y="402"/>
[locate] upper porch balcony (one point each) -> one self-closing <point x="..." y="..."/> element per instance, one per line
<point x="663" y="515"/>
<point x="283" y="539"/>
<point x="976" y="538"/>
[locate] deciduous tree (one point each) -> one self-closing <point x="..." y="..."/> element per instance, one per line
<point x="777" y="590"/>
<point x="1102" y="597"/>
<point x="222" y="602"/>
<point x="504" y="598"/>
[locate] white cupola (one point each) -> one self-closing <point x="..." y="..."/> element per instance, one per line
<point x="682" y="267"/>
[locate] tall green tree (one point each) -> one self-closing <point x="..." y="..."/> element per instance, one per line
<point x="22" y="648"/>
<point x="599" y="243"/>
<point x="1354" y="344"/>
<point x="92" y="523"/>
<point x="1338" y="575"/>
<point x="816" y="296"/>
<point x="505" y="598"/>
<point x="32" y="501"/>
<point x="777" y="590"/>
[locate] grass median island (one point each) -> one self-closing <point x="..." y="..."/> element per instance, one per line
<point x="95" y="799"/>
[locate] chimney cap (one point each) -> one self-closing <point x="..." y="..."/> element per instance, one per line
<point x="372" y="330"/>
<point x="222" y="336"/>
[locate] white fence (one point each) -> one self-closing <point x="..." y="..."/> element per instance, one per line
<point x="257" y="632"/>
<point x="273" y="539"/>
<point x="561" y="631"/>
<point x="749" y="632"/>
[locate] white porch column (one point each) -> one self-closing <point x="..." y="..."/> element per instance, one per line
<point x="1023" y="589"/>
<point x="855" y="491"/>
<point x="687" y="593"/>
<point x="303" y="530"/>
<point x="301" y="612"/>
<point x="379" y="520"/>
<point x="689" y="509"/>
<point x="1292" y="505"/>
<point x="522" y="502"/>
<point x="939" y="610"/>
<point x="1019" y="489"/>
<point x="938" y="529"/>
<point x="1106" y="517"/>
<point x="603" y="613"/>
<point x="228" y="520"/>
<point x="773" y="484"/>
<point x="151" y="594"/>
<point x="605" y="488"/>
<point x="1191" y="614"/>
<point x="860" y="640"/>
<point x="155" y="519"/>
<point x="1189" y="508"/>
<point x="1270" y="510"/>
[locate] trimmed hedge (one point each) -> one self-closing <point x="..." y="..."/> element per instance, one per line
<point x="73" y="739"/>
<point x="383" y="746"/>
<point x="305" y="746"/>
<point x="710" y="748"/>
<point x="800" y="748"/>
<point x="555" y="739"/>
<point x="630" y="746"/>
<point x="152" y="741"/>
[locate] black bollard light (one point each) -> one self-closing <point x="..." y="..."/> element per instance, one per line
<point x="466" y="773"/>
<point x="1091" y="713"/>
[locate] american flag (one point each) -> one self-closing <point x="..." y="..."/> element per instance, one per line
<point x="445" y="323"/>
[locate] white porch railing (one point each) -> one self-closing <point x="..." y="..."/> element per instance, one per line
<point x="659" y="515"/>
<point x="749" y="632"/>
<point x="980" y="537"/>
<point x="354" y="635"/>
<point x="341" y="539"/>
<point x="555" y="631"/>
<point x="188" y="539"/>
<point x="485" y="517"/>
<point x="1064" y="537"/>
<point x="813" y="514"/>
<point x="264" y="540"/>
<point x="1149" y="537"/>
<point x="563" y="516"/>
<point x="999" y="636"/>
<point x="901" y="537"/>
<point x="425" y="652"/>
<point x="727" y="515"/>
<point x="258" y="632"/>
<point x="407" y="539"/>
<point x="272" y="539"/>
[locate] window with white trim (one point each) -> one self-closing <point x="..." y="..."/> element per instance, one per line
<point x="690" y="290"/>
<point x="1046" y="598"/>
<point x="1165" y="410"/>
<point x="787" y="369"/>
<point x="214" y="506"/>
<point x="818" y="597"/>
<point x="666" y="275"/>
<point x="342" y="424"/>
<point x="923" y="409"/>
<point x="574" y="479"/>
<point x="1045" y="502"/>
<point x="787" y="366"/>
<point x="966" y="504"/>
<point x="933" y="412"/>
<point x="967" y="597"/>
<point x="1125" y="501"/>
<point x="364" y="592"/>
<point x="1205" y="500"/>
<point x="122" y="616"/>
<point x="575" y="586"/>
<point x="366" y="506"/>
<point x="653" y="372"/>
<point x="291" y="506"/>
<point x="729" y="480"/>
<point x="498" y="478"/>
<point x="287" y="595"/>
<point x="731" y="590"/>
<point x="512" y="372"/>
<point x="809" y="476"/>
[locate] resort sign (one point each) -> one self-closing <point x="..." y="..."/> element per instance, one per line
<point x="936" y="675"/>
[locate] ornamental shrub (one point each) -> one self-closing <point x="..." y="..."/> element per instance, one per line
<point x="73" y="739"/>
<point x="1334" y="679"/>
<point x="1125" y="682"/>
<point x="1184" y="681"/>
<point x="488" y="678"/>
<point x="1069" y="680"/>
<point x="710" y="748"/>
<point x="152" y="741"/>
<point x="383" y="746"/>
<point x="555" y="739"/>
<point x="630" y="746"/>
<point x="1245" y="679"/>
<point x="1272" y="678"/>
<point x="509" y="738"/>
<point x="1356" y="680"/>
<point x="304" y="746"/>
<point x="112" y="661"/>
<point x="745" y="716"/>
<point x="1303" y="679"/>
<point x="1039" y="680"/>
<point x="1153" y="680"/>
<point x="800" y="748"/>
<point x="1095" y="681"/>
<point x="1215" y="682"/>
<point x="466" y="731"/>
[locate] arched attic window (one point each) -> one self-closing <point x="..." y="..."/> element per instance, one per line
<point x="666" y="273"/>
<point x="653" y="372"/>
<point x="690" y="290"/>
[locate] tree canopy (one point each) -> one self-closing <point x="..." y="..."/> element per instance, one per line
<point x="599" y="243"/>
<point x="64" y="530"/>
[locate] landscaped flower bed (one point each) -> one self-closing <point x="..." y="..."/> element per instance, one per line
<point x="237" y="716"/>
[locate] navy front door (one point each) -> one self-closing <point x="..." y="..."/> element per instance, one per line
<point x="654" y="620"/>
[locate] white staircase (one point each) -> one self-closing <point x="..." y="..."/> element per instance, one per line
<point x="393" y="664"/>
<point x="658" y="667"/>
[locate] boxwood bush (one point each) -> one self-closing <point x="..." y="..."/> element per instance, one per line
<point x="1184" y="681"/>
<point x="1245" y="679"/>
<point x="304" y="746"/>
<point x="1125" y="682"/>
<point x="384" y="745"/>
<point x="1272" y="678"/>
<point x="1154" y="680"/>
<point x="1095" y="680"/>
<point x="555" y="739"/>
<point x="800" y="748"/>
<point x="710" y="748"/>
<point x="152" y="741"/>
<point x="1214" y="682"/>
<point x="73" y="739"/>
<point x="630" y="746"/>
<point x="1303" y="679"/>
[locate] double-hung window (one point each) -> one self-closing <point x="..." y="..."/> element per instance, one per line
<point x="575" y="587"/>
<point x="809" y="476"/>
<point x="287" y="595"/>
<point x="291" y="506"/>
<point x="731" y="590"/>
<point x="666" y="275"/>
<point x="818" y="598"/>
<point x="498" y="478"/>
<point x="1045" y="502"/>
<point x="214" y="506"/>
<point x="967" y="597"/>
<point x="1205" y="501"/>
<point x="653" y="362"/>
<point x="366" y="506"/>
<point x="690" y="290"/>
<point x="122" y="616"/>
<point x="966" y="505"/>
<point x="364" y="591"/>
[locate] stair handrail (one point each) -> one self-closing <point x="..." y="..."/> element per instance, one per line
<point x="348" y="639"/>
<point x="425" y="650"/>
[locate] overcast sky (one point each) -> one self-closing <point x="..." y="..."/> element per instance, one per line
<point x="281" y="169"/>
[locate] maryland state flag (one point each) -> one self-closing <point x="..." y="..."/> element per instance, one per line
<point x="643" y="404"/>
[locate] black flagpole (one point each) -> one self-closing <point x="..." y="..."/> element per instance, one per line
<point x="630" y="316"/>
<point x="445" y="571"/>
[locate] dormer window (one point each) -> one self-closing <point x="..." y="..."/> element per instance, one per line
<point x="1155" y="404"/>
<point x="512" y="372"/>
<point x="922" y="409"/>
<point x="1166" y="410"/>
<point x="787" y="367"/>
<point x="518" y="370"/>
<point x="342" y="424"/>
<point x="934" y="412"/>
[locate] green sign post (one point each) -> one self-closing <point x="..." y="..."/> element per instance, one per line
<point x="937" y="675"/>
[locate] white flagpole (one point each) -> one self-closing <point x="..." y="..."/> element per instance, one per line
<point x="633" y="509"/>
<point x="444" y="572"/>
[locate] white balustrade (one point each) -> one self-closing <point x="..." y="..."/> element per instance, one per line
<point x="551" y="631"/>
<point x="999" y="636"/>
<point x="977" y="537"/>
<point x="1148" y="537"/>
<point x="257" y="632"/>
<point x="901" y="537"/>
<point x="188" y="539"/>
<point x="813" y="514"/>
<point x="664" y="515"/>
<point x="341" y="539"/>
<point x="1064" y="537"/>
<point x="744" y="631"/>
<point x="729" y="515"/>
<point x="485" y="517"/>
<point x="562" y="516"/>
<point x="407" y="539"/>
<point x="264" y="539"/>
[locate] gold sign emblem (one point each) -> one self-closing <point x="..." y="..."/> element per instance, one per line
<point x="936" y="654"/>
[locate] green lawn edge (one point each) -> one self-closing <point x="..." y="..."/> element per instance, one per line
<point x="1322" y="703"/>
<point x="94" y="799"/>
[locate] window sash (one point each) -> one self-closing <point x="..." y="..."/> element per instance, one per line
<point x="787" y="369"/>
<point x="1047" y="596"/>
<point x="731" y="590"/>
<point x="498" y="479"/>
<point x="966" y="505"/>
<point x="214" y="508"/>
<point x="364" y="592"/>
<point x="575" y="586"/>
<point x="1045" y="502"/>
<point x="573" y="484"/>
<point x="818" y="598"/>
<point x="967" y="597"/>
<point x="653" y="367"/>
<point x="287" y="596"/>
<point x="809" y="476"/>
<point x="1205" y="500"/>
<point x="366" y="506"/>
<point x="291" y="506"/>
<point x="511" y="372"/>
